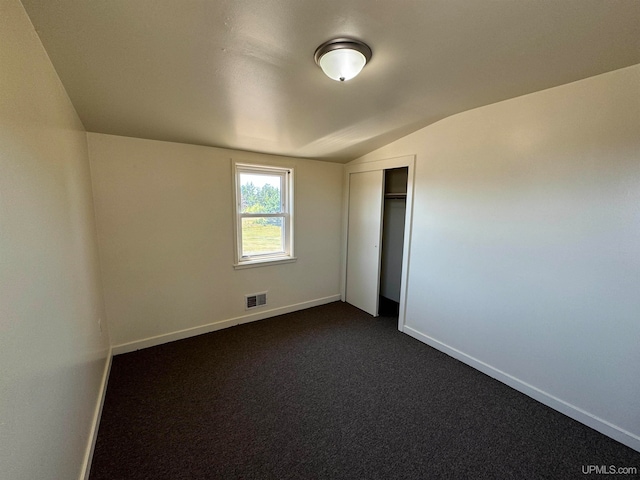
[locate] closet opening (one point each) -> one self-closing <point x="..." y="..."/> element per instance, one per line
<point x="393" y="228"/>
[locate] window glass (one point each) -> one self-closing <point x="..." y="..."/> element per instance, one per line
<point x="260" y="193"/>
<point x="261" y="235"/>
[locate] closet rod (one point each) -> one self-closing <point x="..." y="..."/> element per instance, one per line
<point x="395" y="195"/>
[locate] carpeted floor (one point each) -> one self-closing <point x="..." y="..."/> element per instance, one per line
<point x="329" y="393"/>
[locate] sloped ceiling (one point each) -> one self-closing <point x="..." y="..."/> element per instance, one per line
<point x="240" y="73"/>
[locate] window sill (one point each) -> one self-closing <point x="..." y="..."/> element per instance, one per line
<point x="264" y="262"/>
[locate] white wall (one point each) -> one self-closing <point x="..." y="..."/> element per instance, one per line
<point x="525" y="251"/>
<point x="165" y="229"/>
<point x="52" y="352"/>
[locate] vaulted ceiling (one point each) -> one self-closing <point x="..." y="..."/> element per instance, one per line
<point x="240" y="73"/>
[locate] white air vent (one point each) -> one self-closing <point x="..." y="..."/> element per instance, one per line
<point x="255" y="300"/>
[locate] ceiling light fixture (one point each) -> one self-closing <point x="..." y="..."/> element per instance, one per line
<point x="342" y="58"/>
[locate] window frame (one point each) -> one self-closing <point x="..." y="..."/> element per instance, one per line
<point x="286" y="199"/>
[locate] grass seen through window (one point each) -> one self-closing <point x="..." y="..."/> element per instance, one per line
<point x="258" y="238"/>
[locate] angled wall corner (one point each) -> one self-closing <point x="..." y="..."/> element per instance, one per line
<point x="54" y="347"/>
<point x="525" y="249"/>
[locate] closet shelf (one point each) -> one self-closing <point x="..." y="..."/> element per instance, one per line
<point x="395" y="195"/>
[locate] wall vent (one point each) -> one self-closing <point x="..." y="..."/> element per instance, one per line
<point x="255" y="300"/>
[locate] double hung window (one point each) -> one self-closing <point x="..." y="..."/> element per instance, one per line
<point x="264" y="214"/>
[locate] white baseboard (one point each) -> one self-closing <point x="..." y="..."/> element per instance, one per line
<point x="219" y="325"/>
<point x="88" y="455"/>
<point x="582" y="416"/>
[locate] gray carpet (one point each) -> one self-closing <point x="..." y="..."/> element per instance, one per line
<point x="329" y="393"/>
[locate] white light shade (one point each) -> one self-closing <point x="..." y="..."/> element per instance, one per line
<point x="342" y="64"/>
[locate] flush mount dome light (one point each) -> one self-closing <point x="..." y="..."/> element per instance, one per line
<point x="343" y="58"/>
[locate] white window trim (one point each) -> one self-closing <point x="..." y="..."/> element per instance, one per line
<point x="287" y="214"/>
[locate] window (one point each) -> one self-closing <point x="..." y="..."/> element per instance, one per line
<point x="264" y="214"/>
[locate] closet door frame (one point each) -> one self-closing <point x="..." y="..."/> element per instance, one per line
<point x="385" y="164"/>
